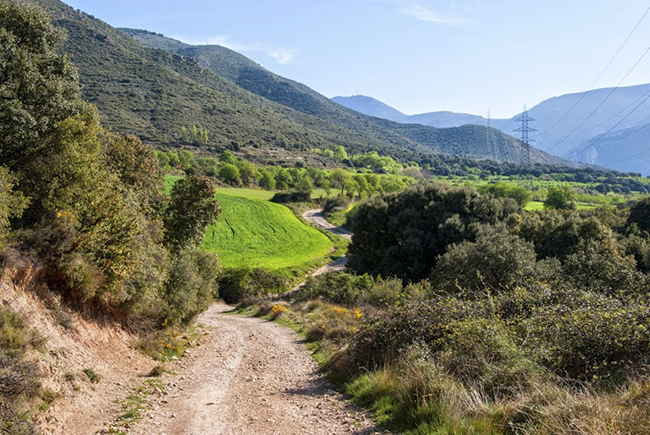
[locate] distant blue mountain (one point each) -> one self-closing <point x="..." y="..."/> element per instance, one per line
<point x="565" y="132"/>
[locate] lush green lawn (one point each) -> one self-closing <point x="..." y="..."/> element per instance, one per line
<point x="257" y="233"/>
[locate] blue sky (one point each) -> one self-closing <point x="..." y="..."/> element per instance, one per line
<point x="417" y="56"/>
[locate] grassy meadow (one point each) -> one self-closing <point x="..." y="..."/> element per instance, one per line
<point x="252" y="232"/>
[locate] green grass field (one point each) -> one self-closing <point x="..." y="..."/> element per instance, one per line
<point x="539" y="205"/>
<point x="252" y="232"/>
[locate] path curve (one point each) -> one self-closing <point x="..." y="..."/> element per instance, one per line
<point x="316" y="218"/>
<point x="248" y="376"/>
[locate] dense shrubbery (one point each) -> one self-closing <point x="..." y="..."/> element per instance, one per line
<point x="94" y="215"/>
<point x="403" y="234"/>
<point x="237" y="284"/>
<point x="525" y="313"/>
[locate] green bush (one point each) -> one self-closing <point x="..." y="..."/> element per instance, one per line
<point x="403" y="234"/>
<point x="483" y="353"/>
<point x="191" y="285"/>
<point x="495" y="260"/>
<point x="237" y="284"/>
<point x="590" y="337"/>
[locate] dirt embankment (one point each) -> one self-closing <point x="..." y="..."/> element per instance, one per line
<point x="74" y="345"/>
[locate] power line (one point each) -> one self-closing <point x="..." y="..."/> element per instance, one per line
<point x="623" y="110"/>
<point x="612" y="128"/>
<point x="601" y="73"/>
<point x="606" y="98"/>
<point x="635" y="155"/>
<point x="600" y="35"/>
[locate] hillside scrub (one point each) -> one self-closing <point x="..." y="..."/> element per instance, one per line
<point x="528" y="322"/>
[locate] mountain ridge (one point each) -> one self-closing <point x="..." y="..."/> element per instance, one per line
<point x="252" y="77"/>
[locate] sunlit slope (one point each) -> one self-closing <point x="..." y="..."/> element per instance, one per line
<point x="256" y="233"/>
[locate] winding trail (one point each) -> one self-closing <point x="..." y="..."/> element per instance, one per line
<point x="251" y="376"/>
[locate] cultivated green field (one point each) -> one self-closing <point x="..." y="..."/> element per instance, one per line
<point x="539" y="205"/>
<point x="252" y="232"/>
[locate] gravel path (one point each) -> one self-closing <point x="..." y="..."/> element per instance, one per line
<point x="248" y="376"/>
<point x="315" y="217"/>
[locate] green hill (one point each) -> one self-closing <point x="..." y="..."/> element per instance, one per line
<point x="155" y="86"/>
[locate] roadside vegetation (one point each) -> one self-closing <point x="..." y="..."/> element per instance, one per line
<point x="464" y="313"/>
<point x="84" y="208"/>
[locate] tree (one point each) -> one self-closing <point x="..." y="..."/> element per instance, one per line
<point x="339" y="177"/>
<point x="191" y="209"/>
<point x="229" y="173"/>
<point x="266" y="180"/>
<point x="12" y="203"/>
<point x="227" y="157"/>
<point x="340" y="153"/>
<point x="38" y="84"/>
<point x="560" y="198"/>
<point x="640" y="214"/>
<point x="137" y="166"/>
<point x="494" y="260"/>
<point x="403" y="234"/>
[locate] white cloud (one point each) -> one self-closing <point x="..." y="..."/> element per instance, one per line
<point x="421" y="13"/>
<point x="283" y="55"/>
<point x="280" y="55"/>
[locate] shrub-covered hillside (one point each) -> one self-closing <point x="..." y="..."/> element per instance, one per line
<point x="466" y="314"/>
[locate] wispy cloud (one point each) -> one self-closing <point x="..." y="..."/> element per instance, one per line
<point x="280" y="55"/>
<point x="283" y="55"/>
<point x="419" y="12"/>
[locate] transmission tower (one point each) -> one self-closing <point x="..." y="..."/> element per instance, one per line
<point x="525" y="139"/>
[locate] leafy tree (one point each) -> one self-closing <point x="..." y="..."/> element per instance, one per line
<point x="339" y="177"/>
<point x="247" y="172"/>
<point x="560" y="198"/>
<point x="340" y="153"/>
<point x="640" y="215"/>
<point x="266" y="180"/>
<point x="191" y="209"/>
<point x="508" y="190"/>
<point x="495" y="260"/>
<point x="12" y="203"/>
<point x="137" y="166"/>
<point x="38" y="85"/>
<point x="229" y="173"/>
<point x="283" y="179"/>
<point x="227" y="157"/>
<point x="404" y="233"/>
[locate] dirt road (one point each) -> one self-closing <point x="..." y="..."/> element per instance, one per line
<point x="248" y="376"/>
<point x="315" y="217"/>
